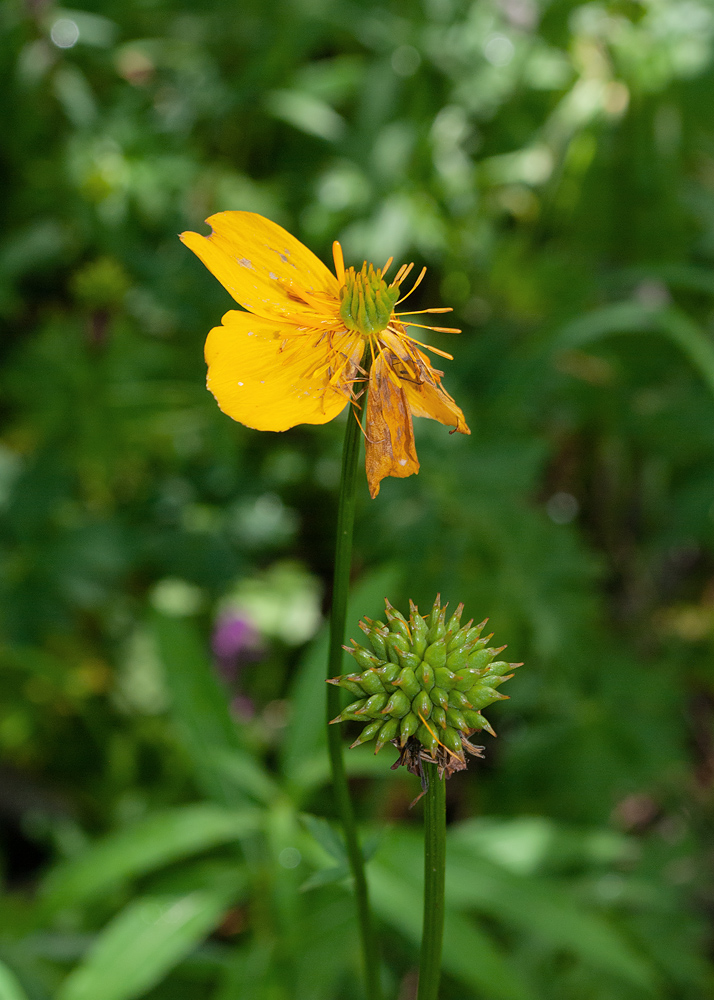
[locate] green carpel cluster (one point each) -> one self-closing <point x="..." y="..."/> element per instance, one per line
<point x="425" y="679"/>
<point x="367" y="301"/>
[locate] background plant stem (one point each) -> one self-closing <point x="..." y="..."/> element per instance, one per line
<point x="343" y="562"/>
<point x="434" y="866"/>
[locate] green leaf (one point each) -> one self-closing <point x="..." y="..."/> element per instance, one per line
<point x="469" y="954"/>
<point x="538" y="907"/>
<point x="331" y="841"/>
<point x="546" y="912"/>
<point x="326" y="876"/>
<point x="199" y="705"/>
<point x="326" y="836"/>
<point x="10" y="988"/>
<point x="143" y="943"/>
<point x="633" y="317"/>
<point x="247" y="774"/>
<point x="149" y="844"/>
<point x="307" y="113"/>
<point x="305" y="741"/>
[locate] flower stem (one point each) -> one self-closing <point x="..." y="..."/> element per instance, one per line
<point x="434" y="866"/>
<point x="338" y="616"/>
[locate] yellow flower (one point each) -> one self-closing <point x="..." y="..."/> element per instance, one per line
<point x="309" y="341"/>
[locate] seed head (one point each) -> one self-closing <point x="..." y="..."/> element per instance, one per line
<point x="423" y="685"/>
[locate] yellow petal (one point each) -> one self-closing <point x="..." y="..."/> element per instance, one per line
<point x="431" y="400"/>
<point x="259" y="371"/>
<point x="389" y="448"/>
<point x="266" y="269"/>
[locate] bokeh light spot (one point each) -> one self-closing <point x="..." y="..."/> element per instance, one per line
<point x="64" y="33"/>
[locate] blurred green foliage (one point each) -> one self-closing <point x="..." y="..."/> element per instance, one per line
<point x="167" y="824"/>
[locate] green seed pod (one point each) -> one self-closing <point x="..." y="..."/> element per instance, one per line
<point x="364" y="658"/>
<point x="458" y="660"/>
<point x="408" y="660"/>
<point x="461" y="637"/>
<point x="456" y="641"/>
<point x="407" y="727"/>
<point x="444" y="678"/>
<point x="499" y="667"/>
<point x="352" y="708"/>
<point x="456" y="719"/>
<point x="425" y="676"/>
<point x="373" y="706"/>
<point x="436" y="632"/>
<point x="396" y="644"/>
<point x="368" y="733"/>
<point x="457" y="699"/>
<point x="347" y="685"/>
<point x="398" y="623"/>
<point x="421" y="705"/>
<point x="387" y="733"/>
<point x="482" y="657"/>
<point x="369" y="681"/>
<point x="467" y="679"/>
<point x="437" y="629"/>
<point x="480" y="697"/>
<point x="427" y="739"/>
<point x="435" y="654"/>
<point x="407" y="682"/>
<point x="419" y="629"/>
<point x="437" y="613"/>
<point x="452" y="740"/>
<point x="494" y="680"/>
<point x="438" y="715"/>
<point x="397" y="706"/>
<point x="476" y="630"/>
<point x="387" y="674"/>
<point x="376" y="641"/>
<point x="425" y="685"/>
<point x="454" y="622"/>
<point x="439" y="697"/>
<point x="473" y="636"/>
<point x="478" y="721"/>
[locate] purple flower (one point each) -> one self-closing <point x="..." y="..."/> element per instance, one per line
<point x="234" y="641"/>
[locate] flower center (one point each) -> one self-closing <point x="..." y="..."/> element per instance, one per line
<point x="367" y="301"/>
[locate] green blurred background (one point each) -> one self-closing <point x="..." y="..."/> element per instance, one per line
<point x="166" y="819"/>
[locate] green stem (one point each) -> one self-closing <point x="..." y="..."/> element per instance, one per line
<point x="338" y="616"/>
<point x="434" y="867"/>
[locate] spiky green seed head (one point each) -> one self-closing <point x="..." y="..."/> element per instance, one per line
<point x="423" y="685"/>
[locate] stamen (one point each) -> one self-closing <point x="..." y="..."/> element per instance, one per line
<point x="436" y="329"/>
<point x="415" y="285"/>
<point x="387" y="266"/>
<point x="359" y="422"/>
<point x="391" y="374"/>
<point x="401" y="274"/>
<point x="434" y="309"/>
<point x="436" y="350"/>
<point x="339" y="260"/>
